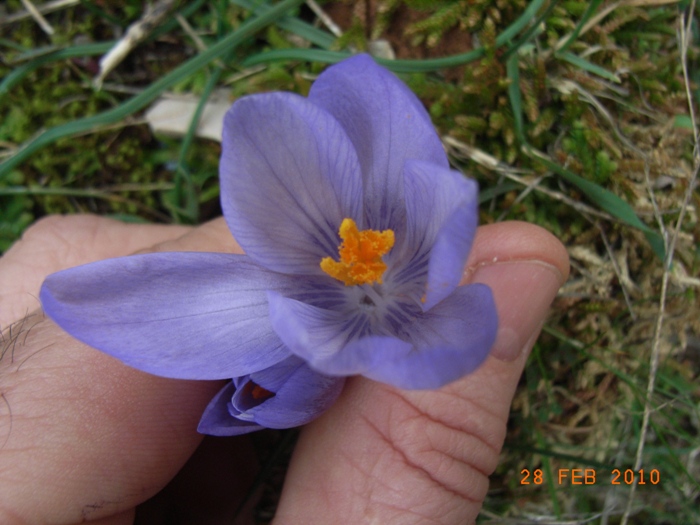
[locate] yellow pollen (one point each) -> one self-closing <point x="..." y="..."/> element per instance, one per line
<point x="360" y="255"/>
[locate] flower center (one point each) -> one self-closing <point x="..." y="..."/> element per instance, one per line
<point x="360" y="255"/>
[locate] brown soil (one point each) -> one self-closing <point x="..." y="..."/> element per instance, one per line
<point x="455" y="41"/>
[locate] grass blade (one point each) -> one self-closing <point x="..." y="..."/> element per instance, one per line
<point x="592" y="7"/>
<point x="20" y="72"/>
<point x="536" y="27"/>
<point x="306" y="31"/>
<point x="186" y="203"/>
<point x="515" y="96"/>
<point x="584" y="64"/>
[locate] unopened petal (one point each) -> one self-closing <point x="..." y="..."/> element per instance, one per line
<point x="304" y="395"/>
<point x="217" y="419"/>
<point x="182" y="315"/>
<point x="387" y="125"/>
<point x="291" y="395"/>
<point x="289" y="176"/>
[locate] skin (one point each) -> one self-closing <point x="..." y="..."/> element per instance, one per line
<point x="85" y="438"/>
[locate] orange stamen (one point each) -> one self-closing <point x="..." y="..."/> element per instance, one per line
<point x="360" y="255"/>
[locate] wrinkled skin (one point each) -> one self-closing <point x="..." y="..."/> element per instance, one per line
<point x="85" y="438"/>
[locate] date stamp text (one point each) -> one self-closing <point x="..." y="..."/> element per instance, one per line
<point x="591" y="476"/>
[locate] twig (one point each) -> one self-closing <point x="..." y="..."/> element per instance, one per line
<point x="658" y="216"/>
<point x="684" y="30"/>
<point x="618" y="271"/>
<point x="136" y="33"/>
<point x="566" y="87"/>
<point x="528" y="189"/>
<point x="198" y="42"/>
<point x="595" y="20"/>
<point x="189" y="30"/>
<point x="327" y="20"/>
<point x="248" y="72"/>
<point x="38" y="17"/>
<point x="48" y="7"/>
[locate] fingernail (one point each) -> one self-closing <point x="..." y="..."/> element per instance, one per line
<point x="523" y="291"/>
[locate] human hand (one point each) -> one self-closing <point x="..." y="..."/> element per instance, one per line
<point x="88" y="438"/>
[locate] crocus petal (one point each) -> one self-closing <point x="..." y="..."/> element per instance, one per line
<point x="442" y="216"/>
<point x="310" y="332"/>
<point x="181" y="315"/>
<point x="387" y="125"/>
<point x="446" y="343"/>
<point x="217" y="419"/>
<point x="302" y="397"/>
<point x="289" y="176"/>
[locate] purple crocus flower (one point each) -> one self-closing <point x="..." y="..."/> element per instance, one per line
<point x="356" y="232"/>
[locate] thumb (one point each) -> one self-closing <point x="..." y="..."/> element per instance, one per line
<point x="383" y="455"/>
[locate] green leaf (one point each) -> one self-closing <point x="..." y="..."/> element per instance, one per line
<point x="494" y="191"/>
<point x="683" y="122"/>
<point x="515" y="96"/>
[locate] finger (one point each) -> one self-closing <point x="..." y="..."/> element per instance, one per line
<point x="58" y="242"/>
<point x="83" y="436"/>
<point x="516" y="260"/>
<point x="212" y="236"/>
<point x="382" y="455"/>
